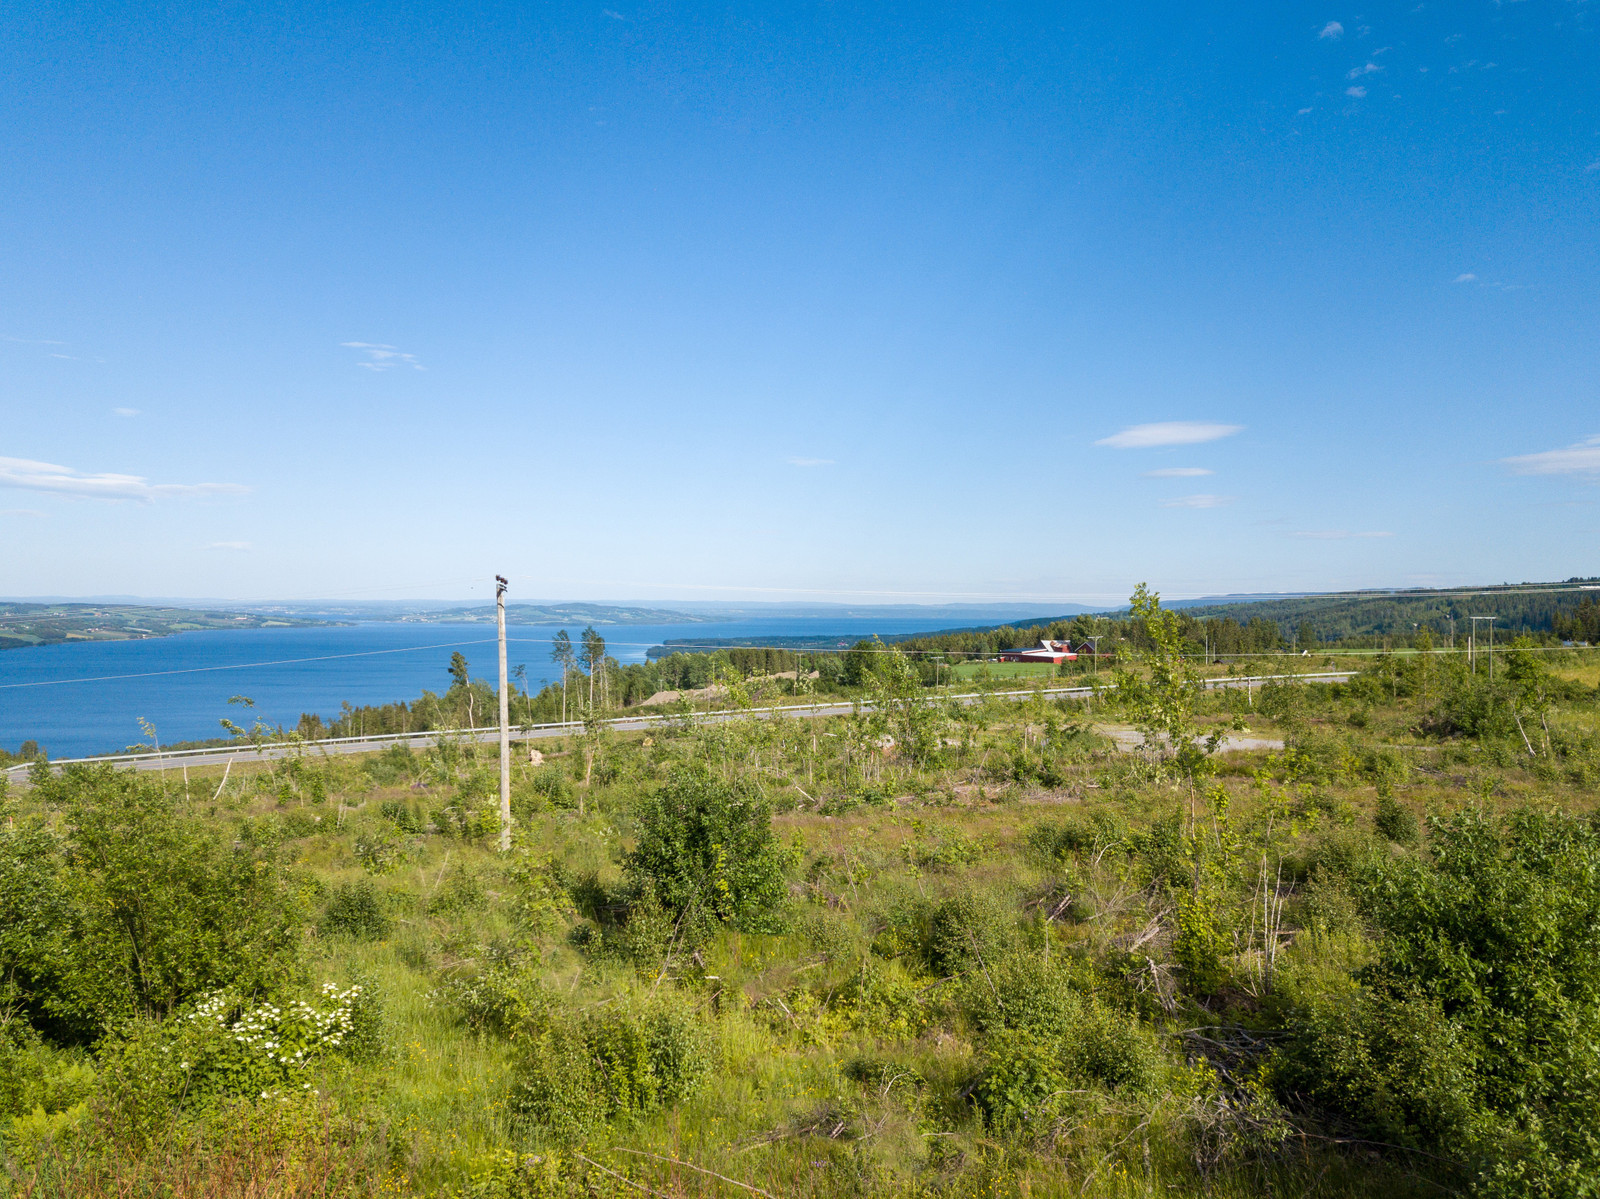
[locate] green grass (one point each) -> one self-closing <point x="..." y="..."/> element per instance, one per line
<point x="811" y="1092"/>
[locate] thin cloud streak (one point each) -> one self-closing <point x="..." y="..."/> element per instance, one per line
<point x="1580" y="459"/>
<point x="382" y="357"/>
<point x="1166" y="433"/>
<point x="1178" y="472"/>
<point x="27" y="475"/>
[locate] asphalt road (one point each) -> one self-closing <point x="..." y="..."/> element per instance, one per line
<point x="222" y="756"/>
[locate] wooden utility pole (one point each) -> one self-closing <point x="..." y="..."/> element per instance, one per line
<point x="505" y="717"/>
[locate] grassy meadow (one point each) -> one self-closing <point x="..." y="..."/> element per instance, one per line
<point x="923" y="950"/>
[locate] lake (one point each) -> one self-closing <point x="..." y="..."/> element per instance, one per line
<point x="87" y="697"/>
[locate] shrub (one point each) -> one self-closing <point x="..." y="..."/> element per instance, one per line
<point x="356" y="911"/>
<point x="1396" y="821"/>
<point x="1201" y="946"/>
<point x="135" y="909"/>
<point x="461" y="890"/>
<point x="1019" y="991"/>
<point x="707" y="844"/>
<point x="1476" y="1034"/>
<point x="577" y="1070"/>
<point x="880" y="999"/>
<point x="502" y="1001"/>
<point x="379" y="851"/>
<point x="1030" y="1072"/>
<point x="224" y="1048"/>
<point x="966" y="930"/>
<point x="407" y="817"/>
<point x="550" y="787"/>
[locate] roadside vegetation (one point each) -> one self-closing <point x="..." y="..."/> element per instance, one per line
<point x="927" y="949"/>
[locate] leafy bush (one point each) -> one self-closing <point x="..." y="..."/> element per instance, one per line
<point x="1202" y="945"/>
<point x="707" y="845"/>
<point x="1396" y="821"/>
<point x="1030" y="1072"/>
<point x="882" y="1000"/>
<point x="135" y="908"/>
<point x="407" y="817"/>
<point x="460" y="890"/>
<point x="502" y="1001"/>
<point x="1476" y="1034"/>
<point x="577" y="1070"/>
<point x="549" y="787"/>
<point x="966" y="930"/>
<point x="224" y="1048"/>
<point x="356" y="910"/>
<point x="379" y="851"/>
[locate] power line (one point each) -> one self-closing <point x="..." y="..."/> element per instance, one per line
<point x="147" y="674"/>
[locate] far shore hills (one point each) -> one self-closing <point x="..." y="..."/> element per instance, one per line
<point x="1530" y="606"/>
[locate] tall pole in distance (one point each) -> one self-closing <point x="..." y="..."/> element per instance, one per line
<point x="505" y="717"/>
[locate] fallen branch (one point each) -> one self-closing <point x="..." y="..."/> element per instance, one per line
<point x="638" y="1186"/>
<point x="673" y="1161"/>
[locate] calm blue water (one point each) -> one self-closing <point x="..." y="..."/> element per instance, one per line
<point x="87" y="698"/>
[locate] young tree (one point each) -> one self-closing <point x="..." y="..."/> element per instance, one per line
<point x="1529" y="679"/>
<point x="458" y="672"/>
<point x="594" y="656"/>
<point x="561" y="654"/>
<point x="1163" y="702"/>
<point x="902" y="708"/>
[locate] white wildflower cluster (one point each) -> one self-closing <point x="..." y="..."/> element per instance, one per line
<point x="265" y="1041"/>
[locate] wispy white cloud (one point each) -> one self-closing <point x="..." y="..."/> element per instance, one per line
<point x="809" y="461"/>
<point x="1170" y="432"/>
<point x="380" y="357"/>
<point x="1466" y="277"/>
<point x="32" y="341"/>
<point x="1332" y="30"/>
<point x="236" y="546"/>
<point x="1302" y="112"/>
<point x="1357" y="92"/>
<point x="1580" y="459"/>
<point x="1593" y="166"/>
<point x="126" y="411"/>
<point x="1178" y="472"/>
<point x="1371" y="68"/>
<point x="20" y="512"/>
<point x="27" y="475"/>
<point x="1200" y="501"/>
<point x="1337" y="534"/>
<point x="615" y="16"/>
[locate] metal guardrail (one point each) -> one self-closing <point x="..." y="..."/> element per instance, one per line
<point x="554" y="729"/>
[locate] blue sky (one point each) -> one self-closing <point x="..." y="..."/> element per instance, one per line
<point x="804" y="301"/>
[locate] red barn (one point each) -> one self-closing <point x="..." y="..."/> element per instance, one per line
<point x="1053" y="652"/>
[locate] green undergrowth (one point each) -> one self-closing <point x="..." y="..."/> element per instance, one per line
<point x="924" y="951"/>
